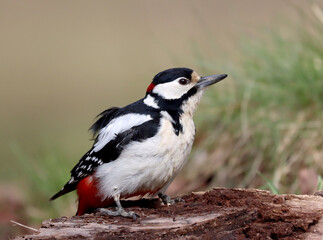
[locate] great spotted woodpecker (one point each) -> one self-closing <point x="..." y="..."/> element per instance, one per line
<point x="140" y="148"/>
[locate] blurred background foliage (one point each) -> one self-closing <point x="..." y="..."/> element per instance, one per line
<point x="62" y="63"/>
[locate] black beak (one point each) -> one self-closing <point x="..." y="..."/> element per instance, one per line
<point x="209" y="80"/>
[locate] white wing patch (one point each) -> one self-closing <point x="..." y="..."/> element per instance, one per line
<point x="119" y="125"/>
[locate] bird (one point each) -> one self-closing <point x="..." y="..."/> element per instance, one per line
<point x="139" y="149"/>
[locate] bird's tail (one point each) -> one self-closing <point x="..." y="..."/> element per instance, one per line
<point x="66" y="189"/>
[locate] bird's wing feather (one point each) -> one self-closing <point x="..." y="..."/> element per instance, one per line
<point x="111" y="140"/>
<point x="118" y="125"/>
<point x="103" y="119"/>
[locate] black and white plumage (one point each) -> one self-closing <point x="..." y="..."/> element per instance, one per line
<point x="140" y="148"/>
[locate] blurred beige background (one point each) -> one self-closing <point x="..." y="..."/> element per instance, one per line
<point x="62" y="62"/>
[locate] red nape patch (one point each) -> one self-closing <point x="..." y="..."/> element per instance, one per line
<point x="89" y="197"/>
<point x="150" y="88"/>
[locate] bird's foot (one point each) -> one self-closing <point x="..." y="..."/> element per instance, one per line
<point x="119" y="212"/>
<point x="167" y="200"/>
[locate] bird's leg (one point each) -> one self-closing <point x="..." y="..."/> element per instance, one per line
<point x="119" y="210"/>
<point x="167" y="200"/>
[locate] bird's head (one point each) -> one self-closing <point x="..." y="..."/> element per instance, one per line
<point x="179" y="85"/>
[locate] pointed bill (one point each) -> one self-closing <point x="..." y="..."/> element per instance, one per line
<point x="209" y="80"/>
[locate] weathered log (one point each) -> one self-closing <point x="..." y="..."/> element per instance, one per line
<point x="216" y="214"/>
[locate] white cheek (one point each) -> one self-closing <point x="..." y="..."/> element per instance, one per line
<point x="172" y="90"/>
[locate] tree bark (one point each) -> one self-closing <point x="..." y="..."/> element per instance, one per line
<point x="216" y="214"/>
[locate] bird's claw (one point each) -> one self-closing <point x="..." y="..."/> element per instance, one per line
<point x="129" y="214"/>
<point x="168" y="201"/>
<point x="178" y="199"/>
<point x="119" y="212"/>
<point x="133" y="215"/>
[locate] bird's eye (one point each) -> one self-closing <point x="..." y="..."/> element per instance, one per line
<point x="183" y="81"/>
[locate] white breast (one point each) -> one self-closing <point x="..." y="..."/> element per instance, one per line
<point x="150" y="165"/>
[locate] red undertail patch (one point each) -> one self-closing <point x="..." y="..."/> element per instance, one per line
<point x="88" y="196"/>
<point x="90" y="199"/>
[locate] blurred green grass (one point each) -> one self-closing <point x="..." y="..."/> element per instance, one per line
<point x="261" y="128"/>
<point x="264" y="128"/>
<point x="40" y="175"/>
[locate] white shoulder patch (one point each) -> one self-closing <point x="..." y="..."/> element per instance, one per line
<point x="119" y="125"/>
<point x="166" y="115"/>
<point x="150" y="101"/>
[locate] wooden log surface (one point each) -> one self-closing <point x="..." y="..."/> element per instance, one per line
<point x="217" y="214"/>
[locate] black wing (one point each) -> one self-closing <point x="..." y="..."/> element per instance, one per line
<point x="102" y="120"/>
<point x="111" y="151"/>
